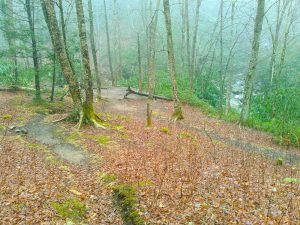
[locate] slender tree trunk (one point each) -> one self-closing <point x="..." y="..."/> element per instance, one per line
<point x="188" y="48"/>
<point x="152" y="64"/>
<point x="30" y="15"/>
<point x="140" y="64"/>
<point x="88" y="114"/>
<point x="108" y="46"/>
<point x="53" y="78"/>
<point x="249" y="83"/>
<point x="183" y="39"/>
<point x="230" y="75"/>
<point x="60" y="51"/>
<point x="64" y="32"/>
<point x="171" y="61"/>
<point x="195" y="35"/>
<point x="93" y="48"/>
<point x="221" y="72"/>
<point x="9" y="26"/>
<point x="117" y="42"/>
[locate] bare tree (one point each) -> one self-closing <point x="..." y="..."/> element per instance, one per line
<point x="177" y="115"/>
<point x="195" y="35"/>
<point x="249" y="83"/>
<point x="140" y="64"/>
<point x="9" y="33"/>
<point x="30" y="16"/>
<point x="114" y="82"/>
<point x="93" y="48"/>
<point x="152" y="64"/>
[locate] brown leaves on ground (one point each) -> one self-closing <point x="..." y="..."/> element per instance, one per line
<point x="182" y="177"/>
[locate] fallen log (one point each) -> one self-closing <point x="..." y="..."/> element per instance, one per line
<point x="15" y="89"/>
<point x="131" y="91"/>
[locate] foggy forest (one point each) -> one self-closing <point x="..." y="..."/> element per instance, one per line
<point x="149" y="112"/>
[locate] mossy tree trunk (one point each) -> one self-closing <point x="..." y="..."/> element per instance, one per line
<point x="60" y="51"/>
<point x="88" y="114"/>
<point x="177" y="115"/>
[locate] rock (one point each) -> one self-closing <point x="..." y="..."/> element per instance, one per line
<point x="20" y="130"/>
<point x="12" y="127"/>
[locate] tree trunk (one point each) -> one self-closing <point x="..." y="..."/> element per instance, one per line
<point x="221" y="72"/>
<point x="93" y="48"/>
<point x="230" y="75"/>
<point x="183" y="38"/>
<point x="60" y="51"/>
<point x="140" y="64"/>
<point x="188" y="49"/>
<point x="195" y="35"/>
<point x="8" y="28"/>
<point x="249" y="83"/>
<point x="152" y="64"/>
<point x="30" y="16"/>
<point x="53" y="78"/>
<point x="64" y="32"/>
<point x="177" y="115"/>
<point x="88" y="114"/>
<point x="108" y="47"/>
<point x="117" y="42"/>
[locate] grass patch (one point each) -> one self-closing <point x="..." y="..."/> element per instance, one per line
<point x="107" y="178"/>
<point x="126" y="200"/>
<point x="71" y="208"/>
<point x="165" y="130"/>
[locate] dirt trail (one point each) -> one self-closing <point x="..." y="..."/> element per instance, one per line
<point x="230" y="134"/>
<point x="45" y="133"/>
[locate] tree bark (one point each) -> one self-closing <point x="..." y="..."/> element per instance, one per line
<point x="30" y="16"/>
<point x="188" y="49"/>
<point x="108" y="47"/>
<point x="152" y="64"/>
<point x="249" y="82"/>
<point x="60" y="51"/>
<point x="177" y="115"/>
<point x="93" y="48"/>
<point x="221" y="72"/>
<point x="230" y="75"/>
<point x="53" y="78"/>
<point x="195" y="35"/>
<point x="64" y="32"/>
<point x="9" y="26"/>
<point x="140" y="64"/>
<point x="88" y="114"/>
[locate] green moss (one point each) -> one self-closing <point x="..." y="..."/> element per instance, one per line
<point x="103" y="140"/>
<point x="126" y="200"/>
<point x="145" y="183"/>
<point x="291" y="180"/>
<point x="107" y="178"/>
<point x="71" y="208"/>
<point x="118" y="127"/>
<point x="165" y="130"/>
<point x="52" y="160"/>
<point x="7" y="117"/>
<point x="185" y="135"/>
<point x="279" y="162"/>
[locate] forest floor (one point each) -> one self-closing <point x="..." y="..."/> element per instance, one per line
<point x="197" y="171"/>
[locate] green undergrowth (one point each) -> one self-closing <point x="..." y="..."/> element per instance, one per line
<point x="125" y="197"/>
<point x="283" y="132"/>
<point x="71" y="209"/>
<point x="126" y="200"/>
